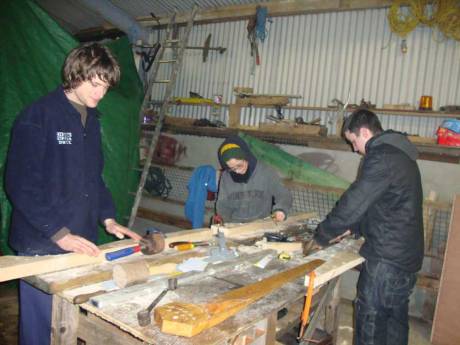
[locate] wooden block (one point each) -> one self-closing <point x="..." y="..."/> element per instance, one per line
<point x="262" y="100"/>
<point x="242" y="89"/>
<point x="234" y="115"/>
<point x="292" y="128"/>
<point x="178" y="121"/>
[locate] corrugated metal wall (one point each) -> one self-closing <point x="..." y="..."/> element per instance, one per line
<point x="322" y="57"/>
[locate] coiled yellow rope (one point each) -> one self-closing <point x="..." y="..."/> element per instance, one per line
<point x="405" y="15"/>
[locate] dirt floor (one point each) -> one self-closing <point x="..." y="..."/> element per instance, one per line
<point x="8" y="314"/>
<point x="419" y="330"/>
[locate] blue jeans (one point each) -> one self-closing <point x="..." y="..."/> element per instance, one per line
<point x="382" y="304"/>
<point x="35" y="308"/>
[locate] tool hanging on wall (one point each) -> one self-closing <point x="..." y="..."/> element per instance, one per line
<point x="206" y="48"/>
<point x="256" y="31"/>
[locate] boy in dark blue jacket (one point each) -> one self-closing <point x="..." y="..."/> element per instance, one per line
<point x="54" y="177"/>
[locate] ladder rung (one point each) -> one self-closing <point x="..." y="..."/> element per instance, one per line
<point x="172" y="41"/>
<point x="167" y="61"/>
<point x="138" y="169"/>
<point x="164" y="81"/>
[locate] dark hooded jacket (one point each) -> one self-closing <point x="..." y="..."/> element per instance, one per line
<point x="54" y="175"/>
<point x="255" y="196"/>
<point x="384" y="203"/>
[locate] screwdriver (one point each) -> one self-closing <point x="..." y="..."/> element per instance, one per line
<point x="181" y="246"/>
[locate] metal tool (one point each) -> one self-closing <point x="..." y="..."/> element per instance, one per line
<point x="151" y="243"/>
<point x="221" y="253"/>
<point x="186" y="245"/>
<point x="143" y="317"/>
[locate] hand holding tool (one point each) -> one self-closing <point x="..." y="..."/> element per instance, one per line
<point x="151" y="243"/>
<point x="143" y="317"/>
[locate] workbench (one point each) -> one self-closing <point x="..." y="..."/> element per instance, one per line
<point x="111" y="316"/>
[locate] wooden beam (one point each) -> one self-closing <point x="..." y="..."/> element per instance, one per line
<point x="187" y="319"/>
<point x="237" y="231"/>
<point x="242" y="12"/>
<point x="164" y="218"/>
<point x="275" y="9"/>
<point x="14" y="267"/>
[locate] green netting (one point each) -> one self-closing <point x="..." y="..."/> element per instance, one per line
<point x="33" y="49"/>
<point x="291" y="166"/>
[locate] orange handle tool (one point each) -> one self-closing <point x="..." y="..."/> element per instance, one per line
<point x="306" y="309"/>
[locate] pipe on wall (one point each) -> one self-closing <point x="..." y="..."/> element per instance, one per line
<point x="120" y="19"/>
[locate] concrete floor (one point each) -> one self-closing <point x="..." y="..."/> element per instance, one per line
<point x="419" y="330"/>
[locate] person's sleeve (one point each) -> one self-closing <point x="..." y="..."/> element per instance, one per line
<point x="106" y="205"/>
<point x="354" y="203"/>
<point x="222" y="205"/>
<point x="24" y="179"/>
<point x="281" y="195"/>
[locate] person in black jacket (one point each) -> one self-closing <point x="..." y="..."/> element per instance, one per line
<point x="54" y="177"/>
<point x="384" y="205"/>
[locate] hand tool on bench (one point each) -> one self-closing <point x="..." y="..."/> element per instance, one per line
<point x="144" y="316"/>
<point x="151" y="243"/>
<point x="127" y="274"/>
<point x="304" y="319"/>
<point x="186" y="245"/>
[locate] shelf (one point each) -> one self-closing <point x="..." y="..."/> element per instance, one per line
<point x="395" y="112"/>
<point x="430" y="152"/>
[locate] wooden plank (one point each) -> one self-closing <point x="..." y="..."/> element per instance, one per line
<point x="262" y="100"/>
<point x="187" y="319"/>
<point x="234" y="115"/>
<point x="56" y="282"/>
<point x="13" y="267"/>
<point x="164" y="218"/>
<point x="280" y="247"/>
<point x="292" y="128"/>
<point x="94" y="330"/>
<point x="64" y="322"/>
<point x="237" y="231"/>
<point x="275" y="9"/>
<point x="447" y="314"/>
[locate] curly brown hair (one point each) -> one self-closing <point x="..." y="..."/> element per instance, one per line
<point x="88" y="61"/>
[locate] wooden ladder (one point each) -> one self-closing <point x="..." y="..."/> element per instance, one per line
<point x="175" y="65"/>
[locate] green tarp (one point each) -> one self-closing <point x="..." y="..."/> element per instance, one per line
<point x="291" y="166"/>
<point x="33" y="49"/>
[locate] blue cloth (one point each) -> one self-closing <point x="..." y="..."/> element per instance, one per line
<point x="202" y="180"/>
<point x="35" y="315"/>
<point x="54" y="175"/>
<point x="382" y="304"/>
<point x="452" y="124"/>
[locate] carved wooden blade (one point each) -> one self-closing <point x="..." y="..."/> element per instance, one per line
<point x="187" y="319"/>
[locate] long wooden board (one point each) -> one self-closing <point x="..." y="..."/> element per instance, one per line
<point x="187" y="319"/>
<point x="14" y="267"/>
<point x="244" y="231"/>
<point x="447" y="312"/>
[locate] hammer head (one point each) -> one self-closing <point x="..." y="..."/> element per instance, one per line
<point x="152" y="243"/>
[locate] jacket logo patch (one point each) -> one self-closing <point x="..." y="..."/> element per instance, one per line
<point x="64" y="138"/>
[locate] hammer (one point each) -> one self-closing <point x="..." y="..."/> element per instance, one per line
<point x="143" y="317"/>
<point x="151" y="243"/>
